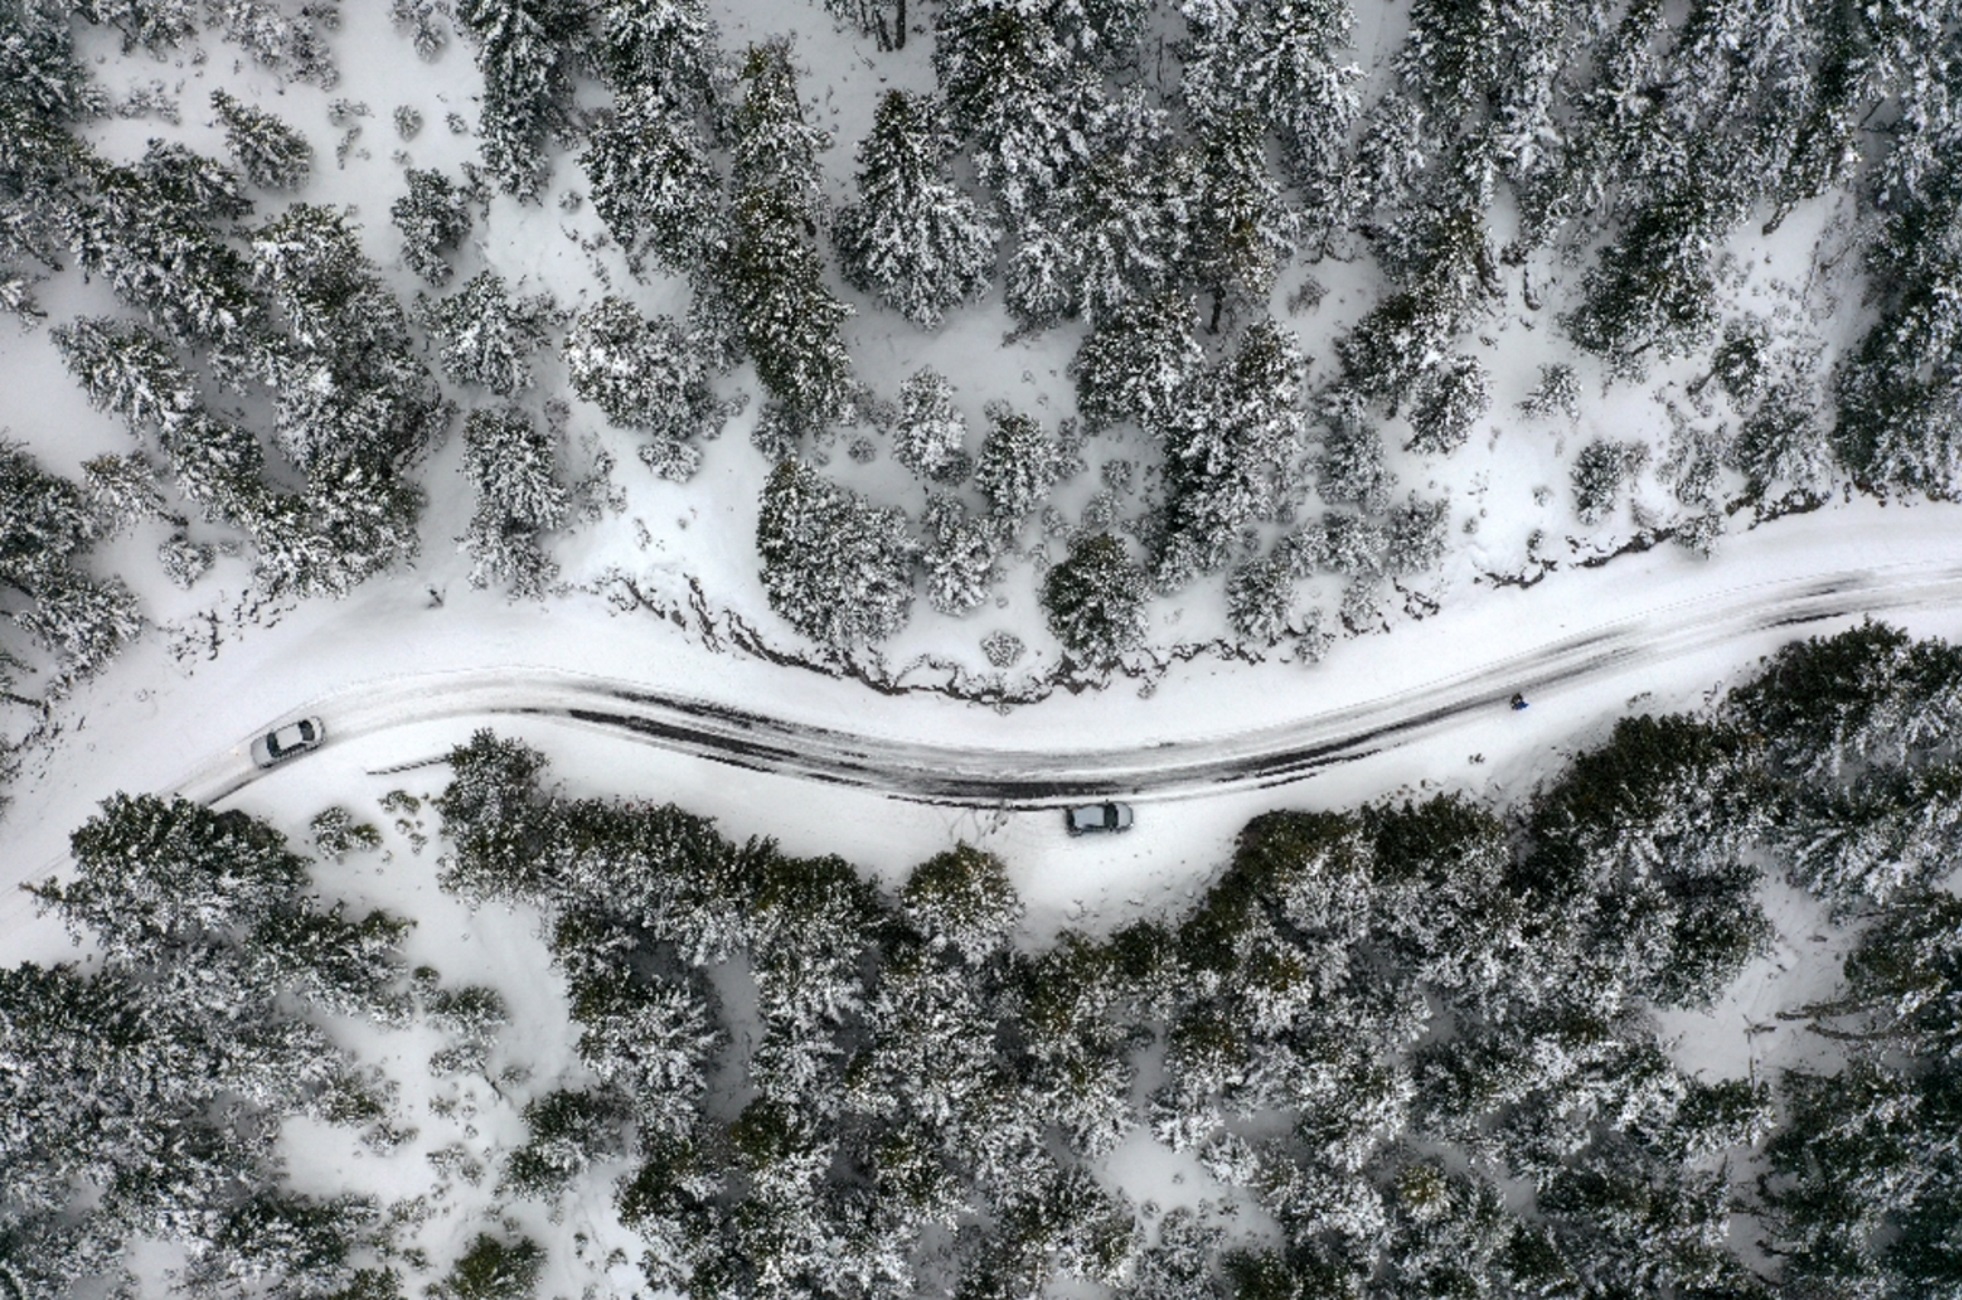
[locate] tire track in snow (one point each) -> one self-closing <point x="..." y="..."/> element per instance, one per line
<point x="1184" y="768"/>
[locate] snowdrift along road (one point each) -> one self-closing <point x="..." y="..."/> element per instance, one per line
<point x="1172" y="768"/>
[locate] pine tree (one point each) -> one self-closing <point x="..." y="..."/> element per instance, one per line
<point x="127" y="370"/>
<point x="1019" y="464"/>
<point x="434" y="217"/>
<point x="930" y="436"/>
<point x="1414" y="536"/>
<point x="960" y="554"/>
<point x="487" y="336"/>
<point x="1231" y="452"/>
<point x="1449" y="402"/>
<point x="1783" y="441"/>
<point x="913" y="239"/>
<point x="653" y="184"/>
<point x="835" y="567"/>
<point x="1133" y="366"/>
<point x="1095" y="600"/>
<point x="513" y="465"/>
<point x="272" y="154"/>
<point x="1260" y="599"/>
<point x="1350" y="469"/>
<point x="642" y="374"/>
<point x="962" y="901"/>
<point x="663" y="45"/>
<point x="1601" y="469"/>
<point x="526" y="51"/>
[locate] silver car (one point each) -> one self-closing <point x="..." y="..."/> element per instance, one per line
<point x="1098" y="818"/>
<point x="275" y="747"/>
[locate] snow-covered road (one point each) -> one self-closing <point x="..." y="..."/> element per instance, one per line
<point x="1025" y="778"/>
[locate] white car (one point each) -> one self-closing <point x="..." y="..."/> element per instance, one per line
<point x="275" y="747"/>
<point x="1098" y="818"/>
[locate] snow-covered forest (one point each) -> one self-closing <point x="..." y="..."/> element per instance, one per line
<point x="1030" y="361"/>
<point x="1321" y="317"/>
<point x="1404" y="1049"/>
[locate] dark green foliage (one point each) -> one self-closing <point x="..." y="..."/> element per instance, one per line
<point x="913" y="239"/>
<point x="961" y="900"/>
<point x="837" y="568"/>
<point x="1095" y="600"/>
<point x="494" y="1270"/>
<point x="1132" y="366"/>
<point x="272" y="154"/>
<point x="567" y="1131"/>
<point x="433" y="217"/>
<point x="653" y="184"/>
<point x="494" y="813"/>
<point x="526" y="50"/>
<point x="1019" y="464"/>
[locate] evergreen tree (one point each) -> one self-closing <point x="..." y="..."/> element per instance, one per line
<point x="1095" y="600"/>
<point x="526" y="51"/>
<point x="1133" y="366"/>
<point x="1350" y="469"/>
<point x="487" y="336"/>
<point x="652" y="181"/>
<point x="835" y="567"/>
<point x="664" y="45"/>
<point x="930" y="436"/>
<point x="913" y="239"/>
<point x="1601" y="470"/>
<point x="513" y="466"/>
<point x="1783" y="441"/>
<point x="433" y="217"/>
<point x="1019" y="464"/>
<point x="1448" y="403"/>
<point x="644" y="374"/>
<point x="272" y="154"/>
<point x="1260" y="599"/>
<point x="775" y="278"/>
<point x="960" y="555"/>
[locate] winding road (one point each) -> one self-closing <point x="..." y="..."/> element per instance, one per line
<point x="1018" y="778"/>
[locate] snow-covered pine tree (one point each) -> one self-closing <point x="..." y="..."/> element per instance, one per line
<point x="1557" y="394"/>
<point x="961" y="901"/>
<point x="1019" y="464"/>
<point x="644" y="374"/>
<point x="160" y="254"/>
<point x="156" y="25"/>
<point x="1449" y="401"/>
<point x="653" y="183"/>
<point x="960" y="555"/>
<point x="1279" y="64"/>
<point x="837" y="568"/>
<point x="1135" y="363"/>
<point x="1243" y="231"/>
<point x="526" y="51"/>
<point x="774" y="276"/>
<point x="127" y="370"/>
<point x="122" y="491"/>
<point x="1783" y="441"/>
<point x="1230" y="452"/>
<point x="188" y="180"/>
<point x="913" y="239"/>
<point x="434" y="217"/>
<point x="663" y="45"/>
<point x="272" y="154"/>
<point x="1601" y="470"/>
<point x="487" y="336"/>
<point x="1095" y="601"/>
<point x="513" y="465"/>
<point x="930" y="436"/>
<point x="1350" y="469"/>
<point x="1260" y="599"/>
<point x="1414" y="536"/>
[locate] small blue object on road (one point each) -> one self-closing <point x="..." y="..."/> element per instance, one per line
<point x="1518" y="703"/>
